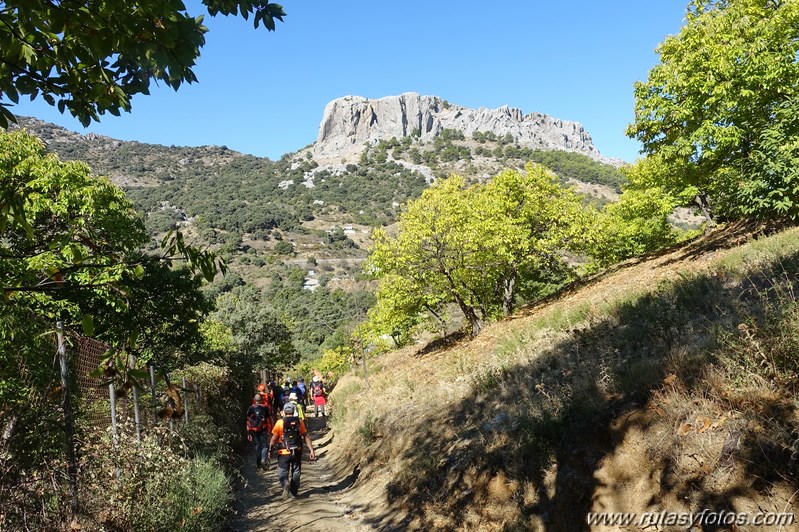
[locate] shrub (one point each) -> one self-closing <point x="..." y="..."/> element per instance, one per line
<point x="368" y="430"/>
<point x="284" y="248"/>
<point x="147" y="486"/>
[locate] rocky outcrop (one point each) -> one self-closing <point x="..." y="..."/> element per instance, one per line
<point x="350" y="122"/>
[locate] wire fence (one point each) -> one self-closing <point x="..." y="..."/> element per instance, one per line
<point x="54" y="436"/>
<point x="87" y="356"/>
<point x="126" y="408"/>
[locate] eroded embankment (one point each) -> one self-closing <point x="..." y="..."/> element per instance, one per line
<point x="667" y="384"/>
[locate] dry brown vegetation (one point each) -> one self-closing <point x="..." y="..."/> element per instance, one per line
<point x="665" y="384"/>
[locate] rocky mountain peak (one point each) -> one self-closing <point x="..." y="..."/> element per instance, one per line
<point x="351" y="121"/>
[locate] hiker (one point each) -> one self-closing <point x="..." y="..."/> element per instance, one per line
<point x="261" y="390"/>
<point x="258" y="424"/>
<point x="318" y="394"/>
<point x="277" y="399"/>
<point x="303" y="391"/>
<point x="293" y="399"/>
<point x="266" y="402"/>
<point x="286" y="394"/>
<point x="287" y="436"/>
<point x="295" y="389"/>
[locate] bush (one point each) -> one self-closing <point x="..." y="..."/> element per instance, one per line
<point x="368" y="430"/>
<point x="146" y="486"/>
<point x="203" y="438"/>
<point x="638" y="223"/>
<point x="284" y="248"/>
<point x="161" y="221"/>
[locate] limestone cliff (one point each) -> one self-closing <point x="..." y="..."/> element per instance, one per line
<point x="350" y="122"/>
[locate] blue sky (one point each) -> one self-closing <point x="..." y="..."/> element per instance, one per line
<point x="264" y="92"/>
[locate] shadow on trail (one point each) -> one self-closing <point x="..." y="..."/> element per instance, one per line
<point x="535" y="434"/>
<point x="316" y="520"/>
<point x="316" y="425"/>
<point x="324" y="444"/>
<point x="343" y="484"/>
<point x="261" y="506"/>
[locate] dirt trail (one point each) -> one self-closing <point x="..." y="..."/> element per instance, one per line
<point x="322" y="504"/>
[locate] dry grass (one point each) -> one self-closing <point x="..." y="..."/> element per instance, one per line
<point x="667" y="383"/>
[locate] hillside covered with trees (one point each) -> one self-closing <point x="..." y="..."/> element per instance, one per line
<point x="276" y="221"/>
<point x="575" y="345"/>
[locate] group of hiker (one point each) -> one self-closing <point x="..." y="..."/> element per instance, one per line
<point x="277" y="413"/>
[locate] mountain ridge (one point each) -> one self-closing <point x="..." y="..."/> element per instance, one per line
<point x="350" y="122"/>
<point x="229" y="195"/>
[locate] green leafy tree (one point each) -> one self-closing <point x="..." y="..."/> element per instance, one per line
<point x="772" y="170"/>
<point x="69" y="250"/>
<point x="336" y="234"/>
<point x="334" y="362"/>
<point x="91" y="57"/>
<point x="163" y="311"/>
<point x="399" y="309"/>
<point x="260" y="336"/>
<point x="63" y="231"/>
<point x="530" y="220"/>
<point x="471" y="245"/>
<point x="284" y="248"/>
<point x="428" y="249"/>
<point x="638" y="223"/>
<point x="216" y="336"/>
<point x="721" y="84"/>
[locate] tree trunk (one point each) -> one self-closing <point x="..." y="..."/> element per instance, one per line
<point x="471" y="316"/>
<point x="701" y="200"/>
<point x="508" y="293"/>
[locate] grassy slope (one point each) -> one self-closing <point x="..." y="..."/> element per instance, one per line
<point x="666" y="384"/>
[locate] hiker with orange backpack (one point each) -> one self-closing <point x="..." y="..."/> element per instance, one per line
<point x="258" y="425"/>
<point x="287" y="437"/>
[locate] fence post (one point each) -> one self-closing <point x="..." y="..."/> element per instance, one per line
<point x="136" y="419"/>
<point x="185" y="404"/>
<point x="197" y="395"/>
<point x="153" y="403"/>
<point x="69" y="428"/>
<point x="112" y="398"/>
